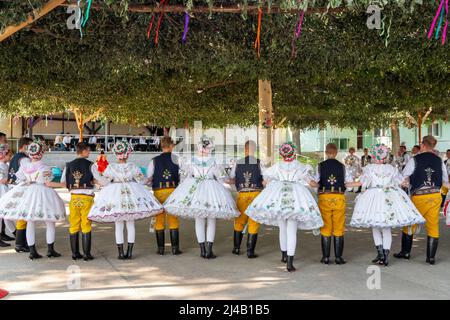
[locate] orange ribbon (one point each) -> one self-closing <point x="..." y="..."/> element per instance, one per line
<point x="258" y="34"/>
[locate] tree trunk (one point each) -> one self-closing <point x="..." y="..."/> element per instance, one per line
<point x="419" y="127"/>
<point x="296" y="138"/>
<point x="395" y="136"/>
<point x="265" y="132"/>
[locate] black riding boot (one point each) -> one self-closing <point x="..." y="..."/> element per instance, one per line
<point x="160" y="242"/>
<point x="386" y="257"/>
<point x="380" y="256"/>
<point x="251" y="245"/>
<point x="202" y="249"/>
<point x="209" y="250"/>
<point x="175" y="241"/>
<point x="289" y="264"/>
<point x="237" y="240"/>
<point x="33" y="253"/>
<point x="284" y="256"/>
<point x="405" y="252"/>
<point x="4" y="236"/>
<point x="121" y="255"/>
<point x="339" y="250"/>
<point x="129" y="254"/>
<point x="75" y="246"/>
<point x="326" y="248"/>
<point x="86" y="239"/>
<point x="4" y="244"/>
<point x="432" y="244"/>
<point x="51" y="253"/>
<point x="21" y="241"/>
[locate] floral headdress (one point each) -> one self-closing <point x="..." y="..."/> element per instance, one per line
<point x="4" y="149"/>
<point x="35" y="150"/>
<point x="122" y="150"/>
<point x="287" y="151"/>
<point x="206" y="145"/>
<point x="379" y="153"/>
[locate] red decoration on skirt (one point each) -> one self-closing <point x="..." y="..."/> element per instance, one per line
<point x="3" y="293"/>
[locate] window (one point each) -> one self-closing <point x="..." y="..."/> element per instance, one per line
<point x="341" y="143"/>
<point x="434" y="129"/>
<point x="379" y="132"/>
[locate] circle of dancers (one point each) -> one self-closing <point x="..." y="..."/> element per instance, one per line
<point x="406" y="193"/>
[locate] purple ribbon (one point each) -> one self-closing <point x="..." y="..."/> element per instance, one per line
<point x="299" y="25"/>
<point x="186" y="27"/>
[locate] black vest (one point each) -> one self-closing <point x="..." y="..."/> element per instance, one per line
<point x="166" y="172"/>
<point x="427" y="175"/>
<point x="79" y="174"/>
<point x="14" y="165"/>
<point x="332" y="176"/>
<point x="365" y="160"/>
<point x="248" y="174"/>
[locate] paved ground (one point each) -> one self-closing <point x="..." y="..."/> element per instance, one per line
<point x="150" y="276"/>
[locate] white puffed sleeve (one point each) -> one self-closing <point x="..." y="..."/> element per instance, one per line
<point x="271" y="173"/>
<point x="366" y="177"/>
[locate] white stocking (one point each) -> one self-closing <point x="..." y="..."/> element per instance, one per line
<point x="291" y="237"/>
<point x="50" y="232"/>
<point x="377" y="238"/>
<point x="10" y="227"/>
<point x="282" y="224"/>
<point x="119" y="232"/>
<point x="211" y="229"/>
<point x="31" y="233"/>
<point x="131" y="232"/>
<point x="387" y="238"/>
<point x="200" y="224"/>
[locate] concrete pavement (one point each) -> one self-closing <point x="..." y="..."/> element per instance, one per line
<point x="187" y="276"/>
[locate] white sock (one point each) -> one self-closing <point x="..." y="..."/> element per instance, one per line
<point x="119" y="232"/>
<point x="131" y="232"/>
<point x="291" y="237"/>
<point x="10" y="227"/>
<point x="31" y="233"/>
<point x="211" y="229"/>
<point x="200" y="224"/>
<point x="377" y="238"/>
<point x="50" y="232"/>
<point x="387" y="238"/>
<point x="282" y="224"/>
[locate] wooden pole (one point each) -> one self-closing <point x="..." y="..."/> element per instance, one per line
<point x="49" y="6"/>
<point x="265" y="112"/>
<point x="419" y="126"/>
<point x="395" y="136"/>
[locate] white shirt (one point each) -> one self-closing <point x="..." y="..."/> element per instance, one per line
<point x="67" y="139"/>
<point x="411" y="166"/>
<point x="142" y="140"/>
<point x="93" y="140"/>
<point x="88" y="192"/>
<point x="58" y="139"/>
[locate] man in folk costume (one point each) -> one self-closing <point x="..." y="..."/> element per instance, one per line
<point x="17" y="160"/>
<point x="164" y="175"/>
<point x="352" y="164"/>
<point x="427" y="174"/>
<point x="79" y="177"/>
<point x="248" y="179"/>
<point x="330" y="180"/>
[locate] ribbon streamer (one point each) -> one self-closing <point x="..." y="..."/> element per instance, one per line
<point x="297" y="33"/>
<point x="186" y="27"/>
<point x="163" y="2"/>
<point x="258" y="34"/>
<point x="80" y="18"/>
<point x="150" y="27"/>
<point x="86" y="13"/>
<point x="440" y="13"/>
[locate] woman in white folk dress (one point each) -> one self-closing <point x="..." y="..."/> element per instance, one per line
<point x="286" y="202"/>
<point x="383" y="205"/>
<point x="33" y="200"/>
<point x="5" y="157"/>
<point x="202" y="196"/>
<point x="124" y="198"/>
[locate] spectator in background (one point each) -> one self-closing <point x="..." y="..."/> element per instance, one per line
<point x="92" y="142"/>
<point x="142" y="142"/>
<point x="3" y="138"/>
<point x="415" y="150"/>
<point x="59" y="145"/>
<point x="102" y="162"/>
<point x="67" y="141"/>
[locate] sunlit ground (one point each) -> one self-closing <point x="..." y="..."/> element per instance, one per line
<point x="187" y="276"/>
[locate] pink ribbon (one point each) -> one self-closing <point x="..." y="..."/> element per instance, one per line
<point x="300" y="23"/>
<point x="433" y="24"/>
<point x="444" y="32"/>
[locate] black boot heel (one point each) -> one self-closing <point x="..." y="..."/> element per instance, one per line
<point x="160" y="242"/>
<point x="237" y="240"/>
<point x="51" y="253"/>
<point x="202" y="249"/>
<point x="284" y="256"/>
<point x="129" y="254"/>
<point x="121" y="256"/>
<point x="75" y="246"/>
<point x="339" y="250"/>
<point x="379" y="258"/>
<point x="175" y="242"/>
<point x="289" y="264"/>
<point x="209" y="251"/>
<point x="33" y="253"/>
<point x="326" y="248"/>
<point x="86" y="239"/>
<point x="251" y="245"/>
<point x="405" y="252"/>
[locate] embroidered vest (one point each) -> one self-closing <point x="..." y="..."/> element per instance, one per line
<point x="427" y="175"/>
<point x="79" y="174"/>
<point x="166" y="173"/>
<point x="332" y="176"/>
<point x="248" y="174"/>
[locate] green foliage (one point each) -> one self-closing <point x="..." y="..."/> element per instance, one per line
<point x="342" y="72"/>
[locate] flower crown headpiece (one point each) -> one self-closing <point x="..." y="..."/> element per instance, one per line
<point x="287" y="151"/>
<point x="379" y="152"/>
<point x="206" y="144"/>
<point x="36" y="149"/>
<point x="122" y="150"/>
<point x="4" y="149"/>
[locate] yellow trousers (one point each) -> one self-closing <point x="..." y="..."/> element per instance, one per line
<point x="21" y="225"/>
<point x="444" y="191"/>
<point x="160" y="219"/>
<point x="332" y="208"/>
<point x="243" y="201"/>
<point x="79" y="208"/>
<point x="429" y="206"/>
